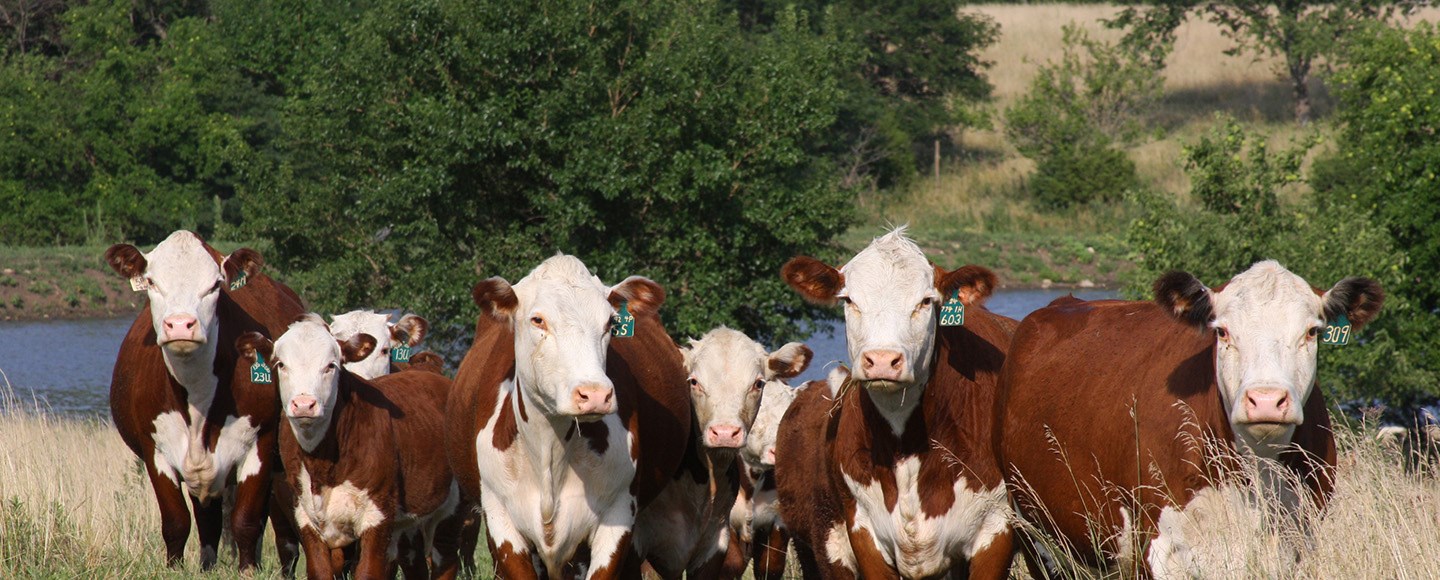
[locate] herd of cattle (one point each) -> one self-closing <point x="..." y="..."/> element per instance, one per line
<point x="590" y="445"/>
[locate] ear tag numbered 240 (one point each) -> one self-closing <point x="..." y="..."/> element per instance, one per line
<point x="239" y="281"/>
<point x="400" y="353"/>
<point x="1337" y="332"/>
<point x="623" y="323"/>
<point x="259" y="372"/>
<point x="952" y="313"/>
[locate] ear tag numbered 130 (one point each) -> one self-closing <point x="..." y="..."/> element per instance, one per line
<point x="259" y="373"/>
<point x="239" y="281"/>
<point x="952" y="313"/>
<point x="1337" y="332"/>
<point x="400" y="353"/>
<point x="622" y="325"/>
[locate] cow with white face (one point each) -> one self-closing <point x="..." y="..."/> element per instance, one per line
<point x="408" y="332"/>
<point x="755" y="520"/>
<point x="915" y="495"/>
<point x="561" y="431"/>
<point x="684" y="532"/>
<point x="1150" y="393"/>
<point x="171" y="396"/>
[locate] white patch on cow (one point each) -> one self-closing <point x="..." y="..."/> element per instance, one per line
<point x="920" y="546"/>
<point x="837" y="548"/>
<point x="741" y="516"/>
<point x="340" y="514"/>
<point x="308" y="364"/>
<point x="1126" y="540"/>
<point x="1199" y="540"/>
<point x="233" y="449"/>
<point x="890" y="305"/>
<point x="345" y="326"/>
<point x="250" y="465"/>
<point x="759" y="448"/>
<point x="172" y="441"/>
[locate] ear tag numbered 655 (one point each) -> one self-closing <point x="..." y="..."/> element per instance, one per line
<point x="400" y="353"/>
<point x="1337" y="332"/>
<point x="259" y="372"/>
<point x="239" y="281"/>
<point x="952" y="313"/>
<point x="623" y="323"/>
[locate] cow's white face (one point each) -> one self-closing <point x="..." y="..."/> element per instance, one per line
<point x="344" y="326"/>
<point x="728" y="373"/>
<point x="892" y="295"/>
<point x="760" y="445"/>
<point x="183" y="280"/>
<point x="1266" y="323"/>
<point x="561" y="316"/>
<point x="308" y="363"/>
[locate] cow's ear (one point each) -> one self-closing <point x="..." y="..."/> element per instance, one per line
<point x="1359" y="299"/>
<point x="126" y="260"/>
<point x="414" y="328"/>
<point x="974" y="283"/>
<point x="816" y="281"/>
<point x="788" y="361"/>
<point x="1184" y="297"/>
<point x="243" y="262"/>
<point x="642" y="295"/>
<point x="356" y="348"/>
<point x="496" y="298"/>
<point x="252" y="342"/>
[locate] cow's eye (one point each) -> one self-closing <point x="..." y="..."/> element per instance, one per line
<point x="927" y="302"/>
<point x="1221" y="332"/>
<point x="279" y="365"/>
<point x="1314" y="331"/>
<point x="759" y="384"/>
<point x="694" y="382"/>
<point x="538" y="322"/>
<point x="330" y="368"/>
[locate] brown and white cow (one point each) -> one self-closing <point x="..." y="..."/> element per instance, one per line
<point x="685" y="531"/>
<point x="755" y="521"/>
<point x="408" y="333"/>
<point x="561" y="432"/>
<point x="904" y="436"/>
<point x="1114" y="412"/>
<point x="360" y="455"/>
<point x="171" y="394"/>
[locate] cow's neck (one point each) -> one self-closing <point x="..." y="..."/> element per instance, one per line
<point x="312" y="436"/>
<point x="897" y="406"/>
<point x="543" y="438"/>
<point x="195" y="372"/>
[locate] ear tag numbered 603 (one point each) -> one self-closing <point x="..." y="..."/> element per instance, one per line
<point x="400" y="353"/>
<point x="952" y="313"/>
<point x="260" y="373"/>
<point x="1337" y="332"/>
<point x="622" y="325"/>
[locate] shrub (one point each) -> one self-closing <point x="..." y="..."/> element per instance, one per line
<point x="1081" y="175"/>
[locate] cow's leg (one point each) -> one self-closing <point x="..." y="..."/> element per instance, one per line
<point x="317" y="554"/>
<point x="511" y="563"/>
<point x="509" y="551"/>
<point x="282" y="514"/>
<point x="471" y="522"/>
<point x="737" y="555"/>
<point x="445" y="556"/>
<point x="375" y="550"/>
<point x="610" y="542"/>
<point x="209" y="522"/>
<point x="410" y="556"/>
<point x="993" y="561"/>
<point x="769" y="553"/>
<point x="174" y="516"/>
<point x="247" y="516"/>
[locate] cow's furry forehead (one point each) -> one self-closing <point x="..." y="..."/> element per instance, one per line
<point x="889" y="259"/>
<point x="1265" y="283"/>
<point x="563" y="269"/>
<point x="346" y="325"/>
<point x="727" y="345"/>
<point x="185" y="248"/>
<point x="308" y="332"/>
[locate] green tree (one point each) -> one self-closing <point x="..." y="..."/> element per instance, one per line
<point x="430" y="144"/>
<point x="1297" y="31"/>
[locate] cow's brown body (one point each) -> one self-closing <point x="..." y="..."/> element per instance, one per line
<point x="1113" y="405"/>
<point x="142" y="389"/>
<point x="825" y="439"/>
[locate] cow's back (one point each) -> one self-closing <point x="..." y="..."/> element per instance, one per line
<point x="473" y="398"/>
<point x="650" y="386"/>
<point x="803" y="487"/>
<point x="419" y="398"/>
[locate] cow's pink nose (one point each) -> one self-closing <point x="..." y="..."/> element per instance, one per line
<point x="180" y="327"/>
<point x="304" y="406"/>
<point x="768" y="458"/>
<point x="882" y="364"/>
<point x="730" y="436"/>
<point x="594" y="399"/>
<point x="1267" y="405"/>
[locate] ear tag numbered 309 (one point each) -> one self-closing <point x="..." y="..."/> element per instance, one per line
<point x="239" y="281"/>
<point x="1336" y="332"/>
<point x="952" y="313"/>
<point x="260" y="373"/>
<point x="400" y="353"/>
<point x="622" y="325"/>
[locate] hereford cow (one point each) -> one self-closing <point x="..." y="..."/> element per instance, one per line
<point x="171" y="394"/>
<point x="406" y="334"/>
<point x="359" y="455"/>
<point x="755" y="521"/>
<point x="685" y="532"/>
<point x="904" y="436"/>
<point x="1114" y="411"/>
<point x="560" y="431"/>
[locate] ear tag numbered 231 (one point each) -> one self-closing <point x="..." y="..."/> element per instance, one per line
<point x="1336" y="332"/>
<point x="259" y="372"/>
<point x="952" y="313"/>
<point x="400" y="353"/>
<point x="239" y="281"/>
<point x="623" y="323"/>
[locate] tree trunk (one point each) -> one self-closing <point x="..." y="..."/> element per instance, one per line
<point x="1299" y="75"/>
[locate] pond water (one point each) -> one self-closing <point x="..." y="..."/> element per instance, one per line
<point x="65" y="365"/>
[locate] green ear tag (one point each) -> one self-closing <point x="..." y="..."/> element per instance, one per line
<point x="1337" y="332"/>
<point x="259" y="373"/>
<point x="952" y="313"/>
<point x="239" y="282"/>
<point x="400" y="353"/>
<point x="623" y="323"/>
